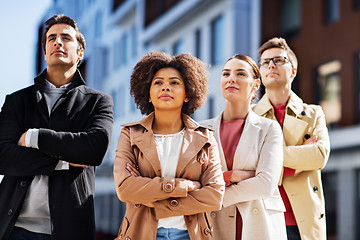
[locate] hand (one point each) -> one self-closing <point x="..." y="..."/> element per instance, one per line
<point x="21" y="141"/>
<point x="132" y="169"/>
<point x="193" y="185"/>
<point x="311" y="140"/>
<point x="240" y="175"/>
<point x="78" y="165"/>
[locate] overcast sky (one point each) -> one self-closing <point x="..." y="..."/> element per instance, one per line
<point x="19" y="21"/>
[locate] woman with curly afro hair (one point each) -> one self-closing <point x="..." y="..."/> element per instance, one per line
<point x="167" y="166"/>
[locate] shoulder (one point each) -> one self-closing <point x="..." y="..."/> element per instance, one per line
<point x="90" y="91"/>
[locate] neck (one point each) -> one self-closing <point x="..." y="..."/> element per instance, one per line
<point x="167" y="122"/>
<point x="278" y="96"/>
<point x="60" y="76"/>
<point x="235" y="110"/>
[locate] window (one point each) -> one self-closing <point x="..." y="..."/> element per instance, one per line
<point x="98" y="25"/>
<point x="134" y="41"/>
<point x="290" y="18"/>
<point x="330" y="183"/>
<point x="116" y="4"/>
<point x="357" y="86"/>
<point x="211" y="106"/>
<point x="331" y="11"/>
<point x="329" y="87"/>
<point x="124" y="45"/>
<point x="117" y="54"/>
<point x="198" y="43"/>
<point x="133" y="106"/>
<point x="357" y="5"/>
<point x="178" y="47"/>
<point x="217" y="43"/>
<point x="115" y="100"/>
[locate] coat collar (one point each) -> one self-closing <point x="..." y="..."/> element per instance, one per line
<point x="246" y="142"/>
<point x="264" y="106"/>
<point x="294" y="126"/>
<point x="194" y="140"/>
<point x="76" y="81"/>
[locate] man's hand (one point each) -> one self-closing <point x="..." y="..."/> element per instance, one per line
<point x="78" y="165"/>
<point x="240" y="175"/>
<point x="21" y="141"/>
<point x="311" y="140"/>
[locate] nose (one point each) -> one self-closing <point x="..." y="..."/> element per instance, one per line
<point x="231" y="79"/>
<point x="271" y="64"/>
<point x="58" y="42"/>
<point x="165" y="87"/>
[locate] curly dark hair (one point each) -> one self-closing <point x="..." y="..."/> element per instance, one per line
<point x="192" y="70"/>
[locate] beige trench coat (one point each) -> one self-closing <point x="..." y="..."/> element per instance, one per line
<point x="304" y="189"/>
<point x="257" y="199"/>
<point x="151" y="197"/>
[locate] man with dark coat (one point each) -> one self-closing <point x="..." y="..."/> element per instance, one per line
<point x="52" y="135"/>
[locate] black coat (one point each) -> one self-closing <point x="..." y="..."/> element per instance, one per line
<point x="78" y="130"/>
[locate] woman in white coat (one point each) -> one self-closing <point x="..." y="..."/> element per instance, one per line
<point x="251" y="151"/>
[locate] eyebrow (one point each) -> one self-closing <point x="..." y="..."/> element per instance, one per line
<point x="240" y="69"/>
<point x="170" y="78"/>
<point x="62" y="34"/>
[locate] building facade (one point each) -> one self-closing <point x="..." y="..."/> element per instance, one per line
<point x="325" y="36"/>
<point x="119" y="33"/>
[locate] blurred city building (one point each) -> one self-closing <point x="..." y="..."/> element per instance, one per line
<point x="120" y="32"/>
<point x="324" y="34"/>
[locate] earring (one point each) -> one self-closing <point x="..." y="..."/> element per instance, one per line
<point x="149" y="99"/>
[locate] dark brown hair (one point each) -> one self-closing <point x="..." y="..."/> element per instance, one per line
<point x="278" y="42"/>
<point x="192" y="70"/>
<point x="62" y="19"/>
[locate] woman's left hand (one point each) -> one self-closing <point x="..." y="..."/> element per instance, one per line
<point x="132" y="169"/>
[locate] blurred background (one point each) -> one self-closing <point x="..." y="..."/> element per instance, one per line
<point x="324" y="34"/>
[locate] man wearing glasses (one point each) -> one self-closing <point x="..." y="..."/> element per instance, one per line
<point x="306" y="142"/>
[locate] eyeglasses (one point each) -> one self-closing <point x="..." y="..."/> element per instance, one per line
<point x="278" y="61"/>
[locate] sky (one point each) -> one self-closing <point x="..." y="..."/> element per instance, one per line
<point x="19" y="20"/>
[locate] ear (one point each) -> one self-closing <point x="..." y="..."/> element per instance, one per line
<point x="80" y="54"/>
<point x="186" y="98"/>
<point x="293" y="73"/>
<point x="256" y="84"/>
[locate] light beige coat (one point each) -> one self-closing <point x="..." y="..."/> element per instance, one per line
<point x="304" y="189"/>
<point x="257" y="199"/>
<point x="150" y="197"/>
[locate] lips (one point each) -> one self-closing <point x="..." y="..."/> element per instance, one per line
<point x="58" y="52"/>
<point x="272" y="73"/>
<point x="165" y="96"/>
<point x="231" y="88"/>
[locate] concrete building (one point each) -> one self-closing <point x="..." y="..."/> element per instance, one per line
<point x="119" y="33"/>
<point x="325" y="36"/>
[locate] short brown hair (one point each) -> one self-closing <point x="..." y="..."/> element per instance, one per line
<point x="253" y="65"/>
<point x="278" y="42"/>
<point x="62" y="19"/>
<point x="191" y="69"/>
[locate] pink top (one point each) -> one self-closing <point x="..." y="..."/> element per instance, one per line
<point x="230" y="133"/>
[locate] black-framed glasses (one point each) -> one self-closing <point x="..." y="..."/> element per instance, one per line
<point x="278" y="61"/>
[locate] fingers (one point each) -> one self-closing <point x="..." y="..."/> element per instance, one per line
<point x="78" y="165"/>
<point x="132" y="170"/>
<point x="21" y="141"/>
<point x="311" y="140"/>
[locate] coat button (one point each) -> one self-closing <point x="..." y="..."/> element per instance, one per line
<point x="23" y="184"/>
<point x="321" y="216"/>
<point x="316" y="189"/>
<point x="168" y="187"/>
<point x="303" y="113"/>
<point x="207" y="231"/>
<point x="307" y="136"/>
<point x="174" y="203"/>
<point x="10" y="212"/>
<point x="255" y="211"/>
<point x="213" y="214"/>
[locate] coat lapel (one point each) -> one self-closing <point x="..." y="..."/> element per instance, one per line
<point x="248" y="139"/>
<point x="146" y="143"/>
